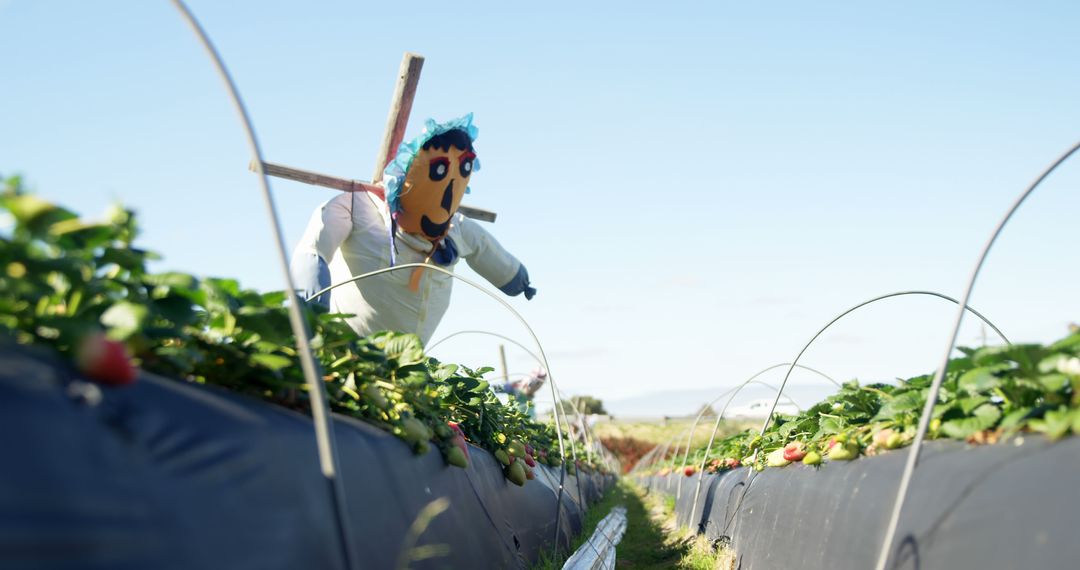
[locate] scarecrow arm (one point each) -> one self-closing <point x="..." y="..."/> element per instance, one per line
<point x="488" y="258"/>
<point x="347" y="185"/>
<point x="327" y="229"/>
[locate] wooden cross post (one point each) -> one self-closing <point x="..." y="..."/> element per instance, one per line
<point x="400" y="107"/>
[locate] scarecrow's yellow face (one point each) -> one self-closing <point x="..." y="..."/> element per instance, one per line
<point x="433" y="189"/>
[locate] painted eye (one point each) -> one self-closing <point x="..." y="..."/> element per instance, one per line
<point x="439" y="168"/>
<point x="466" y="163"/>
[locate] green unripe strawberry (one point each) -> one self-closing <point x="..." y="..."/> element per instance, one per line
<point x="516" y="448"/>
<point x="895" y="440"/>
<point x="502" y="456"/>
<point x="414" y="430"/>
<point x="776" y="459"/>
<point x="375" y="396"/>
<point x="554" y="461"/>
<point x="812" y="458"/>
<point x="456" y="457"/>
<point x="570" y="469"/>
<point x="443" y="431"/>
<point x="516" y="473"/>
<point x="844" y="451"/>
<point x="422" y="447"/>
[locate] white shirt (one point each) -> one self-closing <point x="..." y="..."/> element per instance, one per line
<point x="351" y="233"/>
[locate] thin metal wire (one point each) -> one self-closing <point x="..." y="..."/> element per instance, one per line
<point x="435" y="344"/>
<point x="701" y="413"/>
<point x="963" y="306"/>
<point x="524" y="323"/>
<point x="324" y="429"/>
<point x="716" y="427"/>
<point x="939" y="375"/>
<point x="555" y="405"/>
<point x="678" y="488"/>
<point x="573" y="450"/>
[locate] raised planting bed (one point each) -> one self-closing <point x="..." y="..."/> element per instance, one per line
<point x="170" y="474"/>
<point x="1008" y="505"/>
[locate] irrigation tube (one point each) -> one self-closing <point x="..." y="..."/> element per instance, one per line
<point x="521" y="319"/>
<point x="324" y="429"/>
<point x="693" y="427"/>
<point x="939" y="375"/>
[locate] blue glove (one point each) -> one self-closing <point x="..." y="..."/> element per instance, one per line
<point x="311" y="274"/>
<point x="519" y="284"/>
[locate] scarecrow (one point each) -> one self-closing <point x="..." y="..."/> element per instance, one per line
<point x="415" y="220"/>
<point x="523" y="390"/>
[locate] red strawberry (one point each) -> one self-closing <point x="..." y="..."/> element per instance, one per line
<point x="690" y="470"/>
<point x="459" y="442"/>
<point x="794" y="451"/>
<point x="529" y="474"/>
<point x="104" y="360"/>
<point x="731" y="463"/>
<point x="529" y="460"/>
<point x="529" y="450"/>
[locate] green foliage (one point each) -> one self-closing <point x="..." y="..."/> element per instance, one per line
<point x="62" y="278"/>
<point x="986" y="394"/>
<point x="584" y="404"/>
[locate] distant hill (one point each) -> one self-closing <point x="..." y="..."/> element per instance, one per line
<point x="685" y="402"/>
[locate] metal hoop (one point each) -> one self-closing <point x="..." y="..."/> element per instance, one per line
<point x="963" y="306"/>
<point x="939" y="375"/>
<point x="686" y="456"/>
<point x="324" y="429"/>
<point x="701" y="413"/>
<point x="719" y="417"/>
<point x="521" y="319"/>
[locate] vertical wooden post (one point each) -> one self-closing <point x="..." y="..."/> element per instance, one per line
<point x="502" y="360"/>
<point x="400" y="107"/>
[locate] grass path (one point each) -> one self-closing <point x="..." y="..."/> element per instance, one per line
<point x="651" y="541"/>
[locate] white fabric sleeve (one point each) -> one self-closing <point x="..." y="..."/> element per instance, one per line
<point x="485" y="255"/>
<point x="332" y="227"/>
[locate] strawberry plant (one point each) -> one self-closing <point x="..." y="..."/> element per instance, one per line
<point x="83" y="289"/>
<point x="988" y="394"/>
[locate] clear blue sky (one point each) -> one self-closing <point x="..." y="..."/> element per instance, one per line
<point x="695" y="188"/>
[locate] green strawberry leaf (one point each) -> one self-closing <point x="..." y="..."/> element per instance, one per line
<point x="271" y="361"/>
<point x="985" y="417"/>
<point x="124" y="319"/>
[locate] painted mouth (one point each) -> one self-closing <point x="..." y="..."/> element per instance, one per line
<point x="433" y="230"/>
